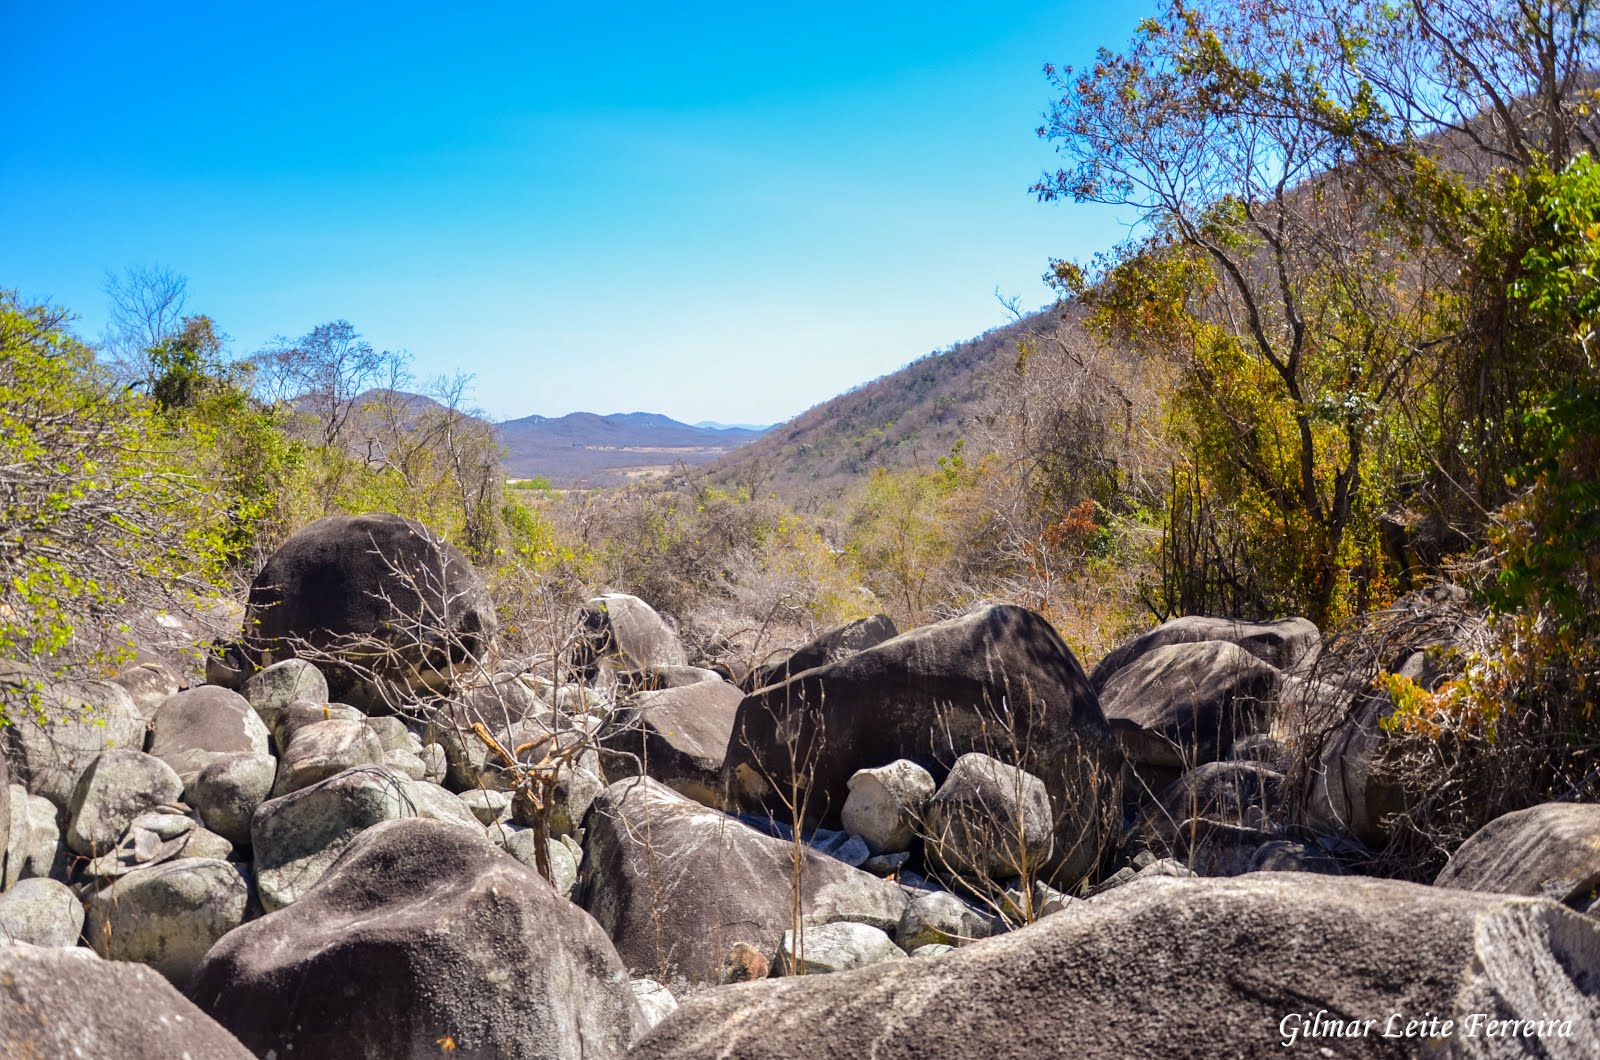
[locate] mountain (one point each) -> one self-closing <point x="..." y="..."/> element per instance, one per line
<point x="713" y="425"/>
<point x="585" y="449"/>
<point x="908" y="417"/>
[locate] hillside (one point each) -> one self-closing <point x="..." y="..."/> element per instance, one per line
<point x="908" y="417"/>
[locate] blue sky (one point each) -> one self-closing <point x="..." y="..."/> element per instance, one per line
<point x="716" y="212"/>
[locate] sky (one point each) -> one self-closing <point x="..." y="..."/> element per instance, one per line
<point x="723" y="212"/>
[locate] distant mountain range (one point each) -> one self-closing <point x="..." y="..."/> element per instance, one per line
<point x="586" y="449"/>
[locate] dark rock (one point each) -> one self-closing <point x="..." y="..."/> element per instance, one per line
<point x="377" y="588"/>
<point x="675" y="884"/>
<point x="660" y="678"/>
<point x="1286" y="644"/>
<point x="195" y="728"/>
<point x="679" y="736"/>
<point x="627" y="634"/>
<point x="998" y="680"/>
<point x="1184" y="704"/>
<point x="1549" y="851"/>
<point x="836" y="644"/>
<point x="70" y="1003"/>
<point x="1160" y="967"/>
<point x="422" y="932"/>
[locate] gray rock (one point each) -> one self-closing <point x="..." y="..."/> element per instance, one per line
<point x="836" y="947"/>
<point x="486" y="805"/>
<point x="391" y="732"/>
<point x="885" y="804"/>
<point x="1235" y="956"/>
<point x="40" y="912"/>
<point x="1287" y="855"/>
<point x="436" y="933"/>
<point x="522" y="843"/>
<point x="304" y="713"/>
<point x="1286" y="644"/>
<point x="941" y="917"/>
<point x="316" y="752"/>
<point x="272" y="690"/>
<point x="68" y="1003"/>
<point x="932" y="949"/>
<point x="117" y="787"/>
<point x="1352" y="789"/>
<point x="227" y="792"/>
<point x="577" y="785"/>
<point x="35" y="847"/>
<point x="437" y="804"/>
<point x="678" y="736"/>
<point x="1184" y="704"/>
<point x="886" y="864"/>
<point x="195" y="728"/>
<point x="168" y="916"/>
<point x="674" y="903"/>
<point x="435" y="765"/>
<point x="655" y="1001"/>
<point x="298" y="837"/>
<point x="989" y="819"/>
<point x="149" y="684"/>
<point x="48" y="756"/>
<point x="409" y="764"/>
<point x="1548" y="851"/>
<point x="832" y="646"/>
<point x="626" y="633"/>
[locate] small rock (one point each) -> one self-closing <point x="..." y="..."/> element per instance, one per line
<point x="885" y="804"/>
<point x="486" y="805"/>
<point x="940" y="916"/>
<point x="406" y="762"/>
<point x="835" y="947"/>
<point x="933" y="949"/>
<point x="273" y="690"/>
<point x="886" y="864"/>
<point x="228" y="791"/>
<point x="655" y="1000"/>
<point x="40" y="912"/>
<point x="990" y="819"/>
<point x="320" y="750"/>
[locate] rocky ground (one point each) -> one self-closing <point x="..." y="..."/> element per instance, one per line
<point x="369" y="833"/>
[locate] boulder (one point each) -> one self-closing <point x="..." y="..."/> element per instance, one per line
<point x="196" y="727"/>
<point x="1352" y="787"/>
<point x="271" y="691"/>
<point x="999" y="680"/>
<point x="297" y="837"/>
<point x="655" y="1000"/>
<point x="838" y="947"/>
<point x="40" y="912"/>
<point x="117" y="787"/>
<point x="625" y="633"/>
<point x="227" y="792"/>
<point x="149" y="682"/>
<point x="1286" y="644"/>
<point x="940" y="918"/>
<point x="303" y="712"/>
<point x="34" y="848"/>
<point x="1235" y="793"/>
<point x="658" y="678"/>
<point x="676" y="884"/>
<point x="1549" y="851"/>
<point x="53" y="739"/>
<point x="436" y="935"/>
<point x="885" y="805"/>
<point x="839" y="643"/>
<point x="169" y="915"/>
<point x="1250" y="965"/>
<point x="392" y="734"/>
<point x="678" y="736"/>
<point x="316" y="752"/>
<point x="156" y="837"/>
<point x="989" y="819"/>
<point x="69" y="1003"/>
<point x="1184" y="704"/>
<point x="388" y="610"/>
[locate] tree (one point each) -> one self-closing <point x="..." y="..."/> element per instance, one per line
<point x="146" y="304"/>
<point x="99" y="517"/>
<point x="323" y="374"/>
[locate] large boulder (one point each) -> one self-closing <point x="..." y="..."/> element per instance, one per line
<point x="1250" y="965"/>
<point x="678" y="736"/>
<point x="119" y="786"/>
<point x="389" y="611"/>
<point x="1286" y="644"/>
<point x="40" y="912"/>
<point x="423" y="934"/>
<point x="168" y="915"/>
<point x="1551" y="851"/>
<point x="1184" y="704"/>
<point x="836" y="644"/>
<point x="989" y="819"/>
<point x="676" y="884"/>
<point x="273" y="690"/>
<point x="1355" y="784"/>
<point x="70" y="1003"/>
<point x="999" y="680"/>
<point x="885" y="805"/>
<point x="316" y="752"/>
<point x="57" y="729"/>
<point x="296" y="838"/>
<point x="196" y="727"/>
<point x="625" y="633"/>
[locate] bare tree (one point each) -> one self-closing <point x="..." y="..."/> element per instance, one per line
<point x="323" y="374"/>
<point x="146" y="308"/>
